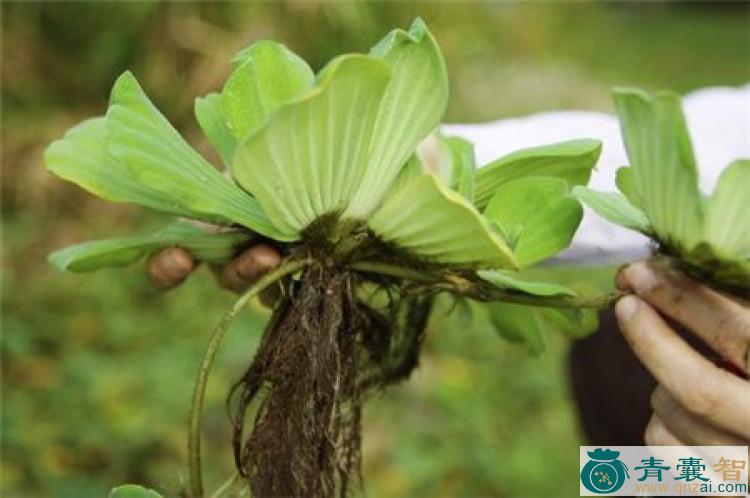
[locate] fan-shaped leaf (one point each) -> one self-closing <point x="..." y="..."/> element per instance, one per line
<point x="728" y="210"/>
<point x="412" y="107"/>
<point x="662" y="163"/>
<point x="158" y="157"/>
<point x="413" y="167"/>
<point x="519" y="324"/>
<point x="530" y="324"/>
<point x="539" y="213"/>
<point x="510" y="281"/>
<point x="210" y="115"/>
<point x="464" y="166"/>
<point x="437" y="224"/>
<point x="203" y="246"/>
<point x="268" y="76"/>
<point x="310" y="158"/>
<point x="81" y="157"/>
<point x="571" y="161"/>
<point x="626" y="184"/>
<point x="614" y="207"/>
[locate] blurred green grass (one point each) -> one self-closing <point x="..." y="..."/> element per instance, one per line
<point x="98" y="369"/>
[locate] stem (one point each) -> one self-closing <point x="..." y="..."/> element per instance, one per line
<point x="228" y="484"/>
<point x="435" y="281"/>
<point x="194" y="442"/>
<point x="395" y="271"/>
<point x="509" y="296"/>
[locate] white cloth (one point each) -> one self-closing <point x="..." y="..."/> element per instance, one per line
<point x="718" y="119"/>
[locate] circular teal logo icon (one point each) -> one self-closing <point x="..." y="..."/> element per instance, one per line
<point x="604" y="473"/>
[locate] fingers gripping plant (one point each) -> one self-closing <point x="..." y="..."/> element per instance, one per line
<point x="326" y="167"/>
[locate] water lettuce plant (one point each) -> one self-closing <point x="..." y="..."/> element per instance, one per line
<point x="706" y="236"/>
<point x="325" y="166"/>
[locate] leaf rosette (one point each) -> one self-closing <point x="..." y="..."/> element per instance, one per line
<point x="707" y="236"/>
<point x="341" y="146"/>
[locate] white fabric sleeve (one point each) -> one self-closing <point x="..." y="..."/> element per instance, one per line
<point x="719" y="122"/>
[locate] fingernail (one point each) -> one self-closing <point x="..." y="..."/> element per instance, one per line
<point x="642" y="278"/>
<point x="626" y="308"/>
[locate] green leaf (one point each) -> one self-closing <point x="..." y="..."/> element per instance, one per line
<point x="451" y="159"/>
<point x="626" y="184"/>
<point x="571" y="161"/>
<point x="210" y="116"/>
<point x="310" y="158"/>
<point x="665" y="177"/>
<point x="614" y="207"/>
<point x="81" y="157"/>
<point x="464" y="166"/>
<point x="268" y="76"/>
<point x="437" y="224"/>
<point x="203" y="246"/>
<point x="510" y="281"/>
<point x="530" y="324"/>
<point x="435" y="156"/>
<point x="571" y="322"/>
<point x="727" y="213"/>
<point x="448" y="159"/>
<point x="158" y="157"/>
<point x="133" y="491"/>
<point x="539" y="215"/>
<point x="413" y="167"/>
<point x="519" y="324"/>
<point x="586" y="280"/>
<point x="413" y="104"/>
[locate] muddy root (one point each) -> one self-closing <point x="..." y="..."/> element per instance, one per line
<point x="320" y="352"/>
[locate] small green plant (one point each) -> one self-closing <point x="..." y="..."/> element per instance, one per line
<point x="325" y="166"/>
<point x="707" y="237"/>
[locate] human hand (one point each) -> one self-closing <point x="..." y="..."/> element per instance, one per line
<point x="696" y="402"/>
<point x="171" y="266"/>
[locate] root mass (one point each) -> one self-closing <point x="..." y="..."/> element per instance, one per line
<point x="321" y="351"/>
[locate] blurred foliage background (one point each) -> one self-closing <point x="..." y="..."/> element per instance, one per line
<point x="98" y="369"/>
